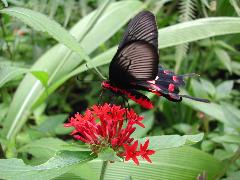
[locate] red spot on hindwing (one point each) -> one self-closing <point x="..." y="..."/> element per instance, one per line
<point x="175" y="79"/>
<point x="171" y="87"/>
<point x="167" y="72"/>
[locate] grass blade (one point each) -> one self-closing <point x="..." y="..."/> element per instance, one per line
<point x="197" y="29"/>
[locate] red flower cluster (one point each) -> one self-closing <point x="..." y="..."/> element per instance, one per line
<point x="104" y="126"/>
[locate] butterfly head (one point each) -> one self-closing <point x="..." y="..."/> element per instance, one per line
<point x="106" y="84"/>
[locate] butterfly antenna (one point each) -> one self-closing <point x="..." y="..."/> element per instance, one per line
<point x="189" y="75"/>
<point x="195" y="98"/>
<point x="97" y="72"/>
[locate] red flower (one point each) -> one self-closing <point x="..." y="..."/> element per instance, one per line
<point x="102" y="126"/>
<point x="131" y="152"/>
<point x="135" y="118"/>
<point x="144" y="152"/>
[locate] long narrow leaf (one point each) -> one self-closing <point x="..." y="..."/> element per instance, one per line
<point x="197" y="29"/>
<point x="7" y="73"/>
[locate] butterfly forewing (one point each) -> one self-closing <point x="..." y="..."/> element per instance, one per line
<point x="137" y="61"/>
<point x="142" y="27"/>
<point x="137" y="55"/>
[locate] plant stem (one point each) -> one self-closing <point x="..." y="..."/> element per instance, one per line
<point x="4" y="35"/>
<point x="206" y="125"/>
<point x="104" y="167"/>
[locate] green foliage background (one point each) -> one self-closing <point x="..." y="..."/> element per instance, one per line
<point x="46" y="44"/>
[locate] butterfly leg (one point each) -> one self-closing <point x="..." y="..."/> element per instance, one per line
<point x="100" y="97"/>
<point x="125" y="101"/>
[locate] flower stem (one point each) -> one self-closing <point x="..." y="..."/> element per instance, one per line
<point x="104" y="167"/>
<point x="231" y="161"/>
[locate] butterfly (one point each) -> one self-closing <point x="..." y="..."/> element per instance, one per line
<point x="135" y="65"/>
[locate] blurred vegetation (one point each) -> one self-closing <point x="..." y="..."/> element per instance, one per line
<point x="40" y="88"/>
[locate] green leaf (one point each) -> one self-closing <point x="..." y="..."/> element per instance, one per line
<point x="3" y="111"/>
<point x="42" y="77"/>
<point x="197" y="29"/>
<point x="198" y="89"/>
<point x="46" y="147"/>
<point x="211" y="109"/>
<point x="5" y="3"/>
<point x="171" y="141"/>
<point x="183" y="163"/>
<point x="207" y="146"/>
<point x="69" y="176"/>
<point x="231" y="114"/>
<point x="148" y="123"/>
<point x="224" y="45"/>
<point x="8" y="73"/>
<point x="51" y="122"/>
<point x="224" y="89"/>
<point x="108" y="155"/>
<point x="208" y="86"/>
<point x="86" y="171"/>
<point x="30" y="89"/>
<point x="61" y="163"/>
<point x="193" y="139"/>
<point x="183" y="127"/>
<point x="234" y="175"/>
<point x="235" y="4"/>
<point x="206" y="3"/>
<point x="224" y="113"/>
<point x="222" y="154"/>
<point x="68" y="9"/>
<point x="224" y="58"/>
<point x="227" y="139"/>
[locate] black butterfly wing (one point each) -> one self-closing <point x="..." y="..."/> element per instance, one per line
<point x="142" y="27"/>
<point x="137" y="61"/>
<point x="137" y="55"/>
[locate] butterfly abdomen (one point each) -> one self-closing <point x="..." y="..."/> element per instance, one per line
<point x="139" y="98"/>
<point x="136" y="96"/>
